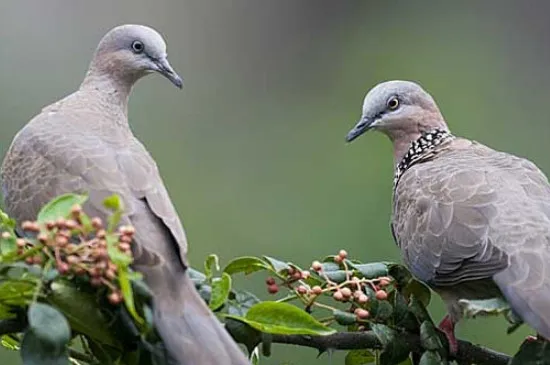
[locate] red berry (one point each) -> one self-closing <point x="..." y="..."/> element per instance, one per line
<point x="383" y="282"/>
<point x="115" y="298"/>
<point x="270" y="281"/>
<point x="381" y="295"/>
<point x="362" y="313"/>
<point x="338" y="259"/>
<point x="302" y="290"/>
<point x="362" y="299"/>
<point x="96" y="282"/>
<point x="346" y="292"/>
<point x="343" y="254"/>
<point x="305" y="274"/>
<point x="338" y="296"/>
<point x="63" y="268"/>
<point x="273" y="289"/>
<point x="97" y="223"/>
<point x="297" y="275"/>
<point x="317" y="266"/>
<point x="317" y="290"/>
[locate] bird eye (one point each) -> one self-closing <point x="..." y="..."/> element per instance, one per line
<point x="393" y="103"/>
<point x="137" y="47"/>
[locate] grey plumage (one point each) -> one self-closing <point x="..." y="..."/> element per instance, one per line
<point x="83" y="143"/>
<point x="471" y="222"/>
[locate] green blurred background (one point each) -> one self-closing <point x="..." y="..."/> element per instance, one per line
<point x="253" y="151"/>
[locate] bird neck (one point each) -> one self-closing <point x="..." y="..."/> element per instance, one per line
<point x="427" y="145"/>
<point x="110" y="89"/>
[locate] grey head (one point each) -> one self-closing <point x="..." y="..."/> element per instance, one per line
<point x="129" y="52"/>
<point x="400" y="109"/>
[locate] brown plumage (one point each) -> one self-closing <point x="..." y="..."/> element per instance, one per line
<point x="83" y="143"/>
<point x="472" y="222"/>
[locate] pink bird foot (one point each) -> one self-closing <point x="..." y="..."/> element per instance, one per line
<point x="448" y="328"/>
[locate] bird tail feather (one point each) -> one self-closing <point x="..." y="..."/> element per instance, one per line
<point x="192" y="334"/>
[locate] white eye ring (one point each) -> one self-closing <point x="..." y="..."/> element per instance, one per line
<point x="393" y="103"/>
<point x="137" y="47"/>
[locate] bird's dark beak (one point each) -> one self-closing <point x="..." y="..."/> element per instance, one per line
<point x="167" y="71"/>
<point x="361" y="127"/>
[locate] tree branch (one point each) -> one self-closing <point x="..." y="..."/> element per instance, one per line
<point x="467" y="352"/>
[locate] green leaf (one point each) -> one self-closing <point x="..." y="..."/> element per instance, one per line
<point x="344" y="318"/>
<point x="372" y="270"/>
<point x="7" y="223"/>
<point x="115" y="204"/>
<point x="240" y="302"/>
<point x="120" y="259"/>
<point x="395" y="348"/>
<point x="49" y="326"/>
<point x="431" y="358"/>
<point x="337" y="276"/>
<point x="7" y="246"/>
<point x="127" y="294"/>
<point x="221" y="288"/>
<point x="15" y="292"/>
<point x="211" y="264"/>
<point x="284" y="319"/>
<point x="246" y="265"/>
<point x="276" y="265"/>
<point x="532" y="353"/>
<point x="35" y="352"/>
<point x="419" y="290"/>
<point x="419" y="310"/>
<point x="9" y="343"/>
<point x="384" y="311"/>
<point x="472" y="308"/>
<point x="359" y="357"/>
<point x="60" y="207"/>
<point x="429" y="338"/>
<point x="83" y="312"/>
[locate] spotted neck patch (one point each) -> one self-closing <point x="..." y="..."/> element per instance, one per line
<point x="421" y="149"/>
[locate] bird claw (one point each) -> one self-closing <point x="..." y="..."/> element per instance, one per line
<point x="447" y="326"/>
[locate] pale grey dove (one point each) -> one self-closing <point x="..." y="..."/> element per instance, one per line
<point x="471" y="222"/>
<point x="83" y="143"/>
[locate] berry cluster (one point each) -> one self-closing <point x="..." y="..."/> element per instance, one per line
<point x="357" y="291"/>
<point x="76" y="249"/>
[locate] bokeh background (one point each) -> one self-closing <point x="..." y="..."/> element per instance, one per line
<point x="253" y="151"/>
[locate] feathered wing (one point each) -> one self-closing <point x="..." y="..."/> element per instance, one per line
<point x="473" y="214"/>
<point x="51" y="156"/>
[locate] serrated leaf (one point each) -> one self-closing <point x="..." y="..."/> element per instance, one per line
<point x="35" y="352"/>
<point x="276" y="265"/>
<point x="359" y="357"/>
<point x="127" y="294"/>
<point x="211" y="264"/>
<point x="284" y="319"/>
<point x="49" y="326"/>
<point x="431" y="358"/>
<point x="429" y="338"/>
<point x="472" y="308"/>
<point x="220" y="291"/>
<point x="60" y="207"/>
<point x="372" y="270"/>
<point x="246" y="265"/>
